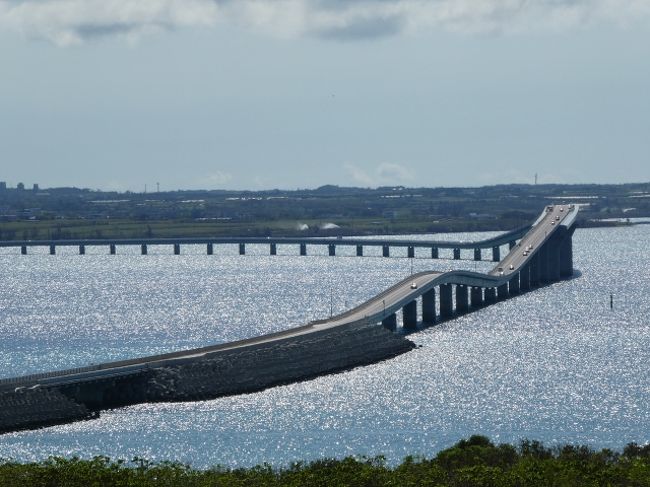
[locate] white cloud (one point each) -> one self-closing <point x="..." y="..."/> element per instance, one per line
<point x="217" y="178"/>
<point x="385" y="174"/>
<point x="68" y="22"/>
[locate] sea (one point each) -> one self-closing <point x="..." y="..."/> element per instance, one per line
<point x="566" y="363"/>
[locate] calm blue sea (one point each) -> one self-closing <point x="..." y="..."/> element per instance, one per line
<point x="555" y="365"/>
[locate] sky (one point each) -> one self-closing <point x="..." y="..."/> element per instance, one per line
<point x="262" y="94"/>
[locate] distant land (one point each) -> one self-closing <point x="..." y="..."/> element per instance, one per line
<point x="33" y="213"/>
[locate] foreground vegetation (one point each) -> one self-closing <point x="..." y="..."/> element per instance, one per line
<point x="473" y="462"/>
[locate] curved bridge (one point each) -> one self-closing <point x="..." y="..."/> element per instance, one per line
<point x="543" y="255"/>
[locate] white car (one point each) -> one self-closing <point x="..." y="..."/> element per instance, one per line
<point x="414" y="285"/>
<point x="512" y="267"/>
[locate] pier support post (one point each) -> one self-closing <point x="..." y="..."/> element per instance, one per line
<point x="476" y="297"/>
<point x="534" y="271"/>
<point x="386" y="251"/>
<point x="544" y="272"/>
<point x="410" y="315"/>
<point x="446" y="304"/>
<point x="490" y="295"/>
<point x="52" y="249"/>
<point x="477" y="254"/>
<point x="434" y="252"/>
<point x="524" y="278"/>
<point x="143" y="249"/>
<point x="303" y="249"/>
<point x="566" y="255"/>
<point x="461" y="299"/>
<point x="554" y="262"/>
<point x="429" y="307"/>
<point x="273" y="249"/>
<point x="332" y="250"/>
<point x="496" y="253"/>
<point x="411" y="252"/>
<point x="513" y="284"/>
<point x="242" y="249"/>
<point x="111" y="249"/>
<point x="390" y="322"/>
<point x="23" y="249"/>
<point x="456" y="254"/>
<point x="359" y="250"/>
<point x="502" y="292"/>
<point x="210" y="249"/>
<point x="177" y="249"/>
<point x="82" y="249"/>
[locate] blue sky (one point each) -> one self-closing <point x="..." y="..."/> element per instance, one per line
<point x="257" y="94"/>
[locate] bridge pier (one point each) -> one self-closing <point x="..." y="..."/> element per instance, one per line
<point x="242" y="249"/>
<point x="544" y="272"/>
<point x="359" y="250"/>
<point x="502" y="292"/>
<point x="513" y="284"/>
<point x="461" y="299"/>
<point x="210" y="249"/>
<point x="273" y="249"/>
<point x="566" y="255"/>
<point x="410" y="315"/>
<point x="456" y="254"/>
<point x="476" y="297"/>
<point x="111" y="249"/>
<point x="524" y="278"/>
<point x="331" y="250"/>
<point x="429" y="307"/>
<point x="390" y="322"/>
<point x="52" y="249"/>
<point x="496" y="254"/>
<point x="143" y="249"/>
<point x="23" y="249"/>
<point x="303" y="249"/>
<point x="446" y="304"/>
<point x="386" y="251"/>
<point x="554" y="260"/>
<point x="82" y="249"/>
<point x="490" y="295"/>
<point x="434" y="252"/>
<point x="534" y="271"/>
<point x="477" y="254"/>
<point x="177" y="249"/>
<point x="411" y="252"/>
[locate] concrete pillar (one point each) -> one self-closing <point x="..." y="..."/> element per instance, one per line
<point x="554" y="259"/>
<point x="544" y="271"/>
<point x="273" y="249"/>
<point x="496" y="254"/>
<point x="359" y="250"/>
<point x="566" y="256"/>
<point x="446" y="304"/>
<point x="210" y="249"/>
<point x="303" y="249"/>
<point x="410" y="315"/>
<point x="111" y="249"/>
<point x="411" y="252"/>
<point x="502" y="292"/>
<point x="456" y="254"/>
<point x="434" y="252"/>
<point x="429" y="307"/>
<point x="512" y="244"/>
<point x="177" y="249"/>
<point x="461" y="299"/>
<point x="82" y="250"/>
<point x="490" y="295"/>
<point x="390" y="322"/>
<point x="476" y="297"/>
<point x="534" y="271"/>
<point x="513" y="284"/>
<point x="477" y="254"/>
<point x="332" y="250"/>
<point x="143" y="249"/>
<point x="52" y="249"/>
<point x="386" y="251"/>
<point x="23" y="249"/>
<point x="524" y="277"/>
<point x="242" y="249"/>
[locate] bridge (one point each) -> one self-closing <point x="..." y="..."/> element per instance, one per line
<point x="494" y="244"/>
<point x="542" y="255"/>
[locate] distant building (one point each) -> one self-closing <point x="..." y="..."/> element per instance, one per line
<point x="20" y="187"/>
<point x="35" y="188"/>
<point x="3" y="186"/>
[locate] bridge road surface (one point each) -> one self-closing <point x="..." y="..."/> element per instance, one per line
<point x="372" y="311"/>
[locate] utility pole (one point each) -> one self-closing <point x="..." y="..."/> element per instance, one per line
<point x="157" y="187"/>
<point x="535" y="178"/>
